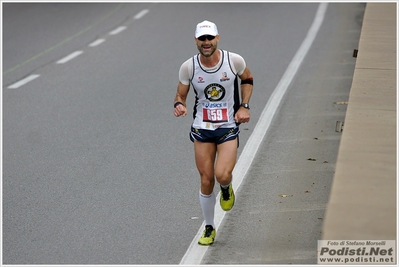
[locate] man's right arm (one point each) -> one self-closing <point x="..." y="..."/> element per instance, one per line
<point x="182" y="89"/>
<point x="180" y="100"/>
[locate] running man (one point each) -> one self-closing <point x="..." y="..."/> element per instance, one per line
<point x="218" y="112"/>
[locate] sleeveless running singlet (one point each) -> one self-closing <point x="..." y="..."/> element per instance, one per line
<point x="217" y="95"/>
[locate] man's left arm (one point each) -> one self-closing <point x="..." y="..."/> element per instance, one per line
<point x="243" y="114"/>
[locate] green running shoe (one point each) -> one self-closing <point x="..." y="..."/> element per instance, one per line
<point x="227" y="198"/>
<point x="208" y="236"/>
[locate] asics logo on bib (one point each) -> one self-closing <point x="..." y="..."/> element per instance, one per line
<point x="214" y="105"/>
<point x="214" y="92"/>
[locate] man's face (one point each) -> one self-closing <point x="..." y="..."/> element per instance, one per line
<point x="205" y="46"/>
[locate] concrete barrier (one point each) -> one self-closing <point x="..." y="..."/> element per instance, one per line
<point x="362" y="204"/>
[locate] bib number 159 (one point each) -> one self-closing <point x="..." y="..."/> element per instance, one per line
<point x="215" y="115"/>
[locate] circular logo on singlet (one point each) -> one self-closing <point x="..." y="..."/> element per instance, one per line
<point x="214" y="92"/>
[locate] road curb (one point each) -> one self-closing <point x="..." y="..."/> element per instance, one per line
<point x="362" y="204"/>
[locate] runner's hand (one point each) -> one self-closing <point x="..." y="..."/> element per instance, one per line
<point x="180" y="110"/>
<point x="242" y="115"/>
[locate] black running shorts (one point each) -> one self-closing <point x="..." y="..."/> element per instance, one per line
<point x="217" y="136"/>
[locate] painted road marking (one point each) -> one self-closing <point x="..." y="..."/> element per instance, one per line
<point x="75" y="54"/>
<point x="97" y="42"/>
<point x="195" y="252"/>
<point x="118" y="30"/>
<point x="69" y="57"/>
<point x="141" y="14"/>
<point x="66" y="40"/>
<point x="23" y="81"/>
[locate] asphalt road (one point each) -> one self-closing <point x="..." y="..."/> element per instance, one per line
<point x="97" y="170"/>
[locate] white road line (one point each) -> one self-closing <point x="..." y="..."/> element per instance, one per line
<point x="97" y="42"/>
<point x="141" y="14"/>
<point x="195" y="252"/>
<point x="118" y="30"/>
<point x="69" y="57"/>
<point x="23" y="81"/>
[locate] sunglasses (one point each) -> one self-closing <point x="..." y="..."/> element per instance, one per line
<point x="209" y="37"/>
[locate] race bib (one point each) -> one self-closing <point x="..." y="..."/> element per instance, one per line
<point x="215" y="112"/>
<point x="215" y="115"/>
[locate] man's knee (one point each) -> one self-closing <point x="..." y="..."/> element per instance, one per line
<point x="207" y="182"/>
<point x="207" y="185"/>
<point x="223" y="176"/>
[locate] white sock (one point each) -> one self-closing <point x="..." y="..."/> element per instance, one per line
<point x="207" y="203"/>
<point x="225" y="186"/>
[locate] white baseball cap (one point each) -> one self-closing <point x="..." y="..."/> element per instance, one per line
<point x="206" y="28"/>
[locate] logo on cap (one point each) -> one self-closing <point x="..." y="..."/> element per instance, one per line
<point x="206" y="27"/>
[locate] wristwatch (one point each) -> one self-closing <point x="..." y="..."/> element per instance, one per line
<point x="245" y="105"/>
